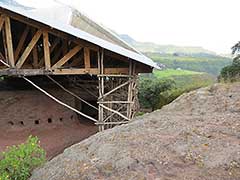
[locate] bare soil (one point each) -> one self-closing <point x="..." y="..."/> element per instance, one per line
<point x="53" y="139"/>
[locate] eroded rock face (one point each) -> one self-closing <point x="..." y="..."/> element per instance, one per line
<point x="30" y="112"/>
<point x="195" y="137"/>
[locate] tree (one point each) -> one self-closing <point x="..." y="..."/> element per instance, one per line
<point x="232" y="72"/>
<point x="150" y="91"/>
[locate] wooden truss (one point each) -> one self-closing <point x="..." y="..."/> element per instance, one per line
<point x="40" y="50"/>
<point x="30" y="48"/>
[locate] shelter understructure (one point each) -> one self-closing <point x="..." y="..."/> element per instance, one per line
<point x="32" y="46"/>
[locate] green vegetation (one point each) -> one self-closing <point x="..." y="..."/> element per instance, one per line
<point x="231" y="72"/>
<point x="188" y="68"/>
<point x="18" y="162"/>
<point x="150" y="91"/>
<point x="178" y="81"/>
<point x="172" y="72"/>
<point x="201" y="63"/>
<point x="188" y="58"/>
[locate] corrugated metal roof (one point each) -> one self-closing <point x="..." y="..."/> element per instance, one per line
<point x="42" y="16"/>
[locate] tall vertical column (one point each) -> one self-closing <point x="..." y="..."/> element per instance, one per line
<point x="101" y="88"/>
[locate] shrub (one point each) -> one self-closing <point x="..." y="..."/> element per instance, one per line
<point x="18" y="162"/>
<point x="150" y="90"/>
<point x="231" y="72"/>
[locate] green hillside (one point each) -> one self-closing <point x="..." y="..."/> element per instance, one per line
<point x="209" y="64"/>
<point x="187" y="58"/>
<point x="172" y="72"/>
<point x="181" y="81"/>
<point x="185" y="79"/>
<point x="186" y="69"/>
<point x="168" y="49"/>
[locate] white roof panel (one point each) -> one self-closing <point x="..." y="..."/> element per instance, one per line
<point x="59" y="25"/>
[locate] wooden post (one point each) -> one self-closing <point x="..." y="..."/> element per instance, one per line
<point x="129" y="90"/>
<point x="4" y="45"/>
<point x="1" y="22"/>
<point x="46" y="50"/>
<point x="102" y="84"/>
<point x="101" y="88"/>
<point x="135" y="105"/>
<point x="34" y="53"/>
<point x="87" y="63"/>
<point x="9" y="41"/>
<point x="53" y="46"/>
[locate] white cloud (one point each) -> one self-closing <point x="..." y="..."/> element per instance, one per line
<point x="212" y="24"/>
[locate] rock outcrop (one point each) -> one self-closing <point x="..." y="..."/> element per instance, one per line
<point x="195" y="137"/>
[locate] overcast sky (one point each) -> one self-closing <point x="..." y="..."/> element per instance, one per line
<point x="212" y="24"/>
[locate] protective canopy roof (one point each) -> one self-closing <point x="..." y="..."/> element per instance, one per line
<point x="71" y="21"/>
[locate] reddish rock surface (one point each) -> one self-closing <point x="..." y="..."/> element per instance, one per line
<point x="29" y="112"/>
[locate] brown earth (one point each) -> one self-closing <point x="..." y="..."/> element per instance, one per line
<point x="29" y="112"/>
<point x="197" y="137"/>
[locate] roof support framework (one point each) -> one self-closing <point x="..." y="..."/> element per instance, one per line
<point x="32" y="49"/>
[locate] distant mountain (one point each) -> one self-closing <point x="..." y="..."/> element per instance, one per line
<point x="164" y="49"/>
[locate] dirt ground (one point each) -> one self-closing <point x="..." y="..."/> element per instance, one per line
<point x="54" y="139"/>
<point x="196" y="137"/>
<point x="29" y="112"/>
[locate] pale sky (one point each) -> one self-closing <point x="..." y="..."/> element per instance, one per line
<point x="212" y="24"/>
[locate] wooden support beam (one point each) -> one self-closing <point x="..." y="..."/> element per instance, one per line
<point x="23" y="72"/>
<point x="109" y="117"/>
<point x="51" y="30"/>
<point x="114" y="111"/>
<point x="21" y="42"/>
<point x="115" y="70"/>
<point x="120" y="70"/>
<point x="28" y="49"/>
<point x="5" y="45"/>
<point x="52" y="47"/>
<point x="129" y="107"/>
<point x="100" y="87"/>
<point x="87" y="62"/>
<point x="9" y="41"/>
<point x="1" y="22"/>
<point x="46" y="50"/>
<point x="34" y="53"/>
<point x="72" y="71"/>
<point x="75" y="71"/>
<point x="67" y="57"/>
<point x="116" y="88"/>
